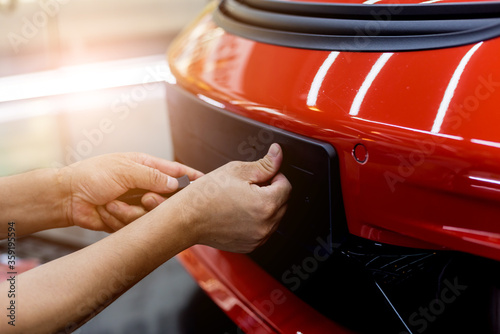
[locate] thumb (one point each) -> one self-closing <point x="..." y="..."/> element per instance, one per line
<point x="152" y="179"/>
<point x="265" y="168"/>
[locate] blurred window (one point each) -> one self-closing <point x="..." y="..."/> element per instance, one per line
<point x="66" y="64"/>
<point x="46" y="34"/>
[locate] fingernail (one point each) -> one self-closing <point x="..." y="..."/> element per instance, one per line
<point x="171" y="183"/>
<point x="274" y="150"/>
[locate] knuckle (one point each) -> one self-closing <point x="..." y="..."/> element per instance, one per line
<point x="105" y="215"/>
<point x="155" y="176"/>
<point x="268" y="229"/>
<point x="130" y="216"/>
<point x="266" y="164"/>
<point x="268" y="209"/>
<point x="140" y="157"/>
<point x="176" y="168"/>
<point x="236" y="166"/>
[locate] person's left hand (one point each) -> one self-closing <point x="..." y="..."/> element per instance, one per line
<point x="94" y="184"/>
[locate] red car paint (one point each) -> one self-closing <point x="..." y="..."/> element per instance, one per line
<point x="427" y="119"/>
<point x="253" y="300"/>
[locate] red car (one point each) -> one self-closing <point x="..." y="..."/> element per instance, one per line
<point x="389" y="118"/>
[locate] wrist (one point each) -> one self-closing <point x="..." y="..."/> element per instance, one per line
<point x="185" y="217"/>
<point x="158" y="235"/>
<point x="34" y="200"/>
<point x="50" y="197"/>
<point x="62" y="192"/>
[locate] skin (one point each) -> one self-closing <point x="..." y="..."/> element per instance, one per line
<point x="234" y="208"/>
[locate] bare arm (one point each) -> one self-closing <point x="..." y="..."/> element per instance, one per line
<point x="60" y="295"/>
<point x="78" y="194"/>
<point x="33" y="201"/>
<point x="228" y="209"/>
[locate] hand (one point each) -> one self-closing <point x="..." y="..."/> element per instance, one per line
<point x="238" y="206"/>
<point x="96" y="182"/>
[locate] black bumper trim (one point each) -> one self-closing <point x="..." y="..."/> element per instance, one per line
<point x="206" y="137"/>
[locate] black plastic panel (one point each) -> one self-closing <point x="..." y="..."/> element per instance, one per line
<point x="363" y="285"/>
<point x="349" y="27"/>
<point x="206" y="137"/>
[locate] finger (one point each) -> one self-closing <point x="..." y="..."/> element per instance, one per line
<point x="177" y="169"/>
<point x="111" y="223"/>
<point x="145" y="177"/>
<point x="278" y="190"/>
<point x="172" y="168"/>
<point x="280" y="180"/>
<point x="265" y="168"/>
<point x="123" y="212"/>
<point x="280" y="213"/>
<point x="152" y="200"/>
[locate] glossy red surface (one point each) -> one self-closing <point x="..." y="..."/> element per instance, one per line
<point x="429" y="121"/>
<point x="250" y="297"/>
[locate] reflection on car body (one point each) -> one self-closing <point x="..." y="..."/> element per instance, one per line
<point x="389" y="129"/>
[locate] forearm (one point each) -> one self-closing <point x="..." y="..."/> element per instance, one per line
<point x="63" y="293"/>
<point x="227" y="209"/>
<point x="34" y="200"/>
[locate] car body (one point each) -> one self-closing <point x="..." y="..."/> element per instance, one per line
<point x="387" y="115"/>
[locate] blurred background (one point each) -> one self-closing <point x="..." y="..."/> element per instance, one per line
<point x="80" y="78"/>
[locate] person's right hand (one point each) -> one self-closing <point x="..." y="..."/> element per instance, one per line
<point x="238" y="206"/>
<point x="235" y="208"/>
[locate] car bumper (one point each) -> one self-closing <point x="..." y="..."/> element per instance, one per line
<point x="255" y="301"/>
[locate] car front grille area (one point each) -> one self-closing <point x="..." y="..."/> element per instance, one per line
<point x="360" y="27"/>
<point x="366" y="286"/>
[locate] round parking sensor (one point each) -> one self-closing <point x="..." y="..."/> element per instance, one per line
<point x="360" y="153"/>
